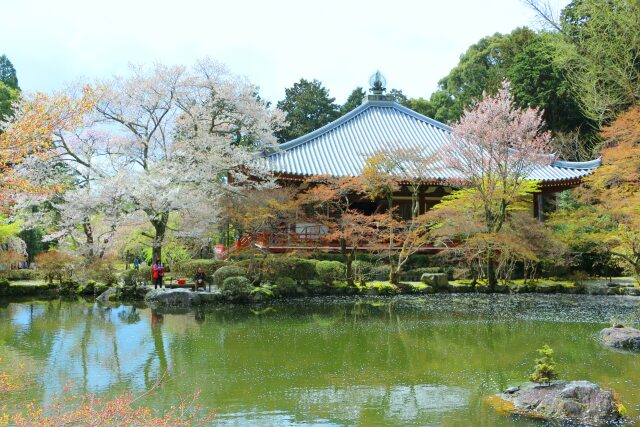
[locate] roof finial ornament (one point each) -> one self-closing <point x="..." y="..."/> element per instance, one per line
<point x="377" y="83"/>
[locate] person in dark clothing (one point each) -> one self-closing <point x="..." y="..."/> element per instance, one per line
<point x="158" y="274"/>
<point x="200" y="279"/>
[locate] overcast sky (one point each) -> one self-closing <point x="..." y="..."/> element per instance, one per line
<point x="273" y="43"/>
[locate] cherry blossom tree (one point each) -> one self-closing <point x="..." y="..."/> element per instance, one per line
<point x="493" y="150"/>
<point x="185" y="137"/>
<point x="159" y="145"/>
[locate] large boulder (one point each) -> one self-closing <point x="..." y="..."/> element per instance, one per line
<point x="172" y="298"/>
<point x="437" y="280"/>
<point x="621" y="337"/>
<point x="575" y="401"/>
<point x="106" y="295"/>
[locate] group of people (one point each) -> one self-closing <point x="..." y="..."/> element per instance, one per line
<point x="159" y="272"/>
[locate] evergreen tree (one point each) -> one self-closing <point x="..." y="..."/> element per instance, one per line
<point x="8" y="73"/>
<point x="353" y="101"/>
<point x="308" y="107"/>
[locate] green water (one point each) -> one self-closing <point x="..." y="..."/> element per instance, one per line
<point x="403" y="361"/>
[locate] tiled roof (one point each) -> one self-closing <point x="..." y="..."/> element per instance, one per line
<point x="342" y="147"/>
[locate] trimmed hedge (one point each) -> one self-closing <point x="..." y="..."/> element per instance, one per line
<point x="299" y="269"/>
<point x="228" y="271"/>
<point x="330" y="271"/>
<point x="22" y="274"/>
<point x="190" y="268"/>
<point x="236" y="287"/>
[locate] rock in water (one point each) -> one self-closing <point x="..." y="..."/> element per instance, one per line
<point x="575" y="401"/>
<point x="623" y="338"/>
<point x="172" y="298"/>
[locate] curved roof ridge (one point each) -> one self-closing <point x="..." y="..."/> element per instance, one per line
<point x="355" y="112"/>
<point x="590" y="164"/>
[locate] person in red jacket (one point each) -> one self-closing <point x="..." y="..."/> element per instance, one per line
<point x="158" y="274"/>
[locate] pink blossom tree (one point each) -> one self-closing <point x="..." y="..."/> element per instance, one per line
<point x="492" y="153"/>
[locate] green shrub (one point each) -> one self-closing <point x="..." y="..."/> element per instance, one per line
<point x="379" y="272"/>
<point x="300" y="269"/>
<point x="139" y="277"/>
<point x="21" y="274"/>
<point x="261" y="293"/>
<point x="544" y="370"/>
<point x="330" y="271"/>
<point x="190" y="268"/>
<point x="236" y="287"/>
<point x="304" y="270"/>
<point x="4" y="283"/>
<point x="361" y="271"/>
<point x="88" y="288"/>
<point x="57" y="265"/>
<point x="227" y="271"/>
<point x="285" y="286"/>
<point x="102" y="271"/>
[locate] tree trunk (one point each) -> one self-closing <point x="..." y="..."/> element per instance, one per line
<point x="491" y="272"/>
<point x="160" y="227"/>
<point x="348" y="261"/>
<point x="88" y="232"/>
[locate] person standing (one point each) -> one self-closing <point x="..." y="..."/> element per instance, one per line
<point x="136" y="263"/>
<point x="158" y="274"/>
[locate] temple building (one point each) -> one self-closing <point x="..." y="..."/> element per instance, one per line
<point x="342" y="148"/>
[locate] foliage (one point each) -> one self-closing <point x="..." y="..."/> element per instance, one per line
<point x="399" y="238"/>
<point x="103" y="271"/>
<point x="223" y="273"/>
<point x="544" y="370"/>
<point x="8" y="74"/>
<point x="134" y="278"/>
<point x="190" y="268"/>
<point x="361" y="271"/>
<point x="494" y="147"/>
<point x="236" y="287"/>
<point x="599" y="52"/>
<point x="604" y="219"/>
<point x="353" y="101"/>
<point x="285" y="285"/>
<point x="29" y="136"/>
<point x="308" y="107"/>
<point x="261" y="293"/>
<point x="57" y="265"/>
<point x="328" y="203"/>
<point x="8" y="97"/>
<point x="299" y="269"/>
<point x="330" y="271"/>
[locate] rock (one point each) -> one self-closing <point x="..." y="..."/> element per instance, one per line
<point x="502" y="289"/>
<point x="632" y="291"/>
<point x="575" y="401"/>
<point x="437" y="280"/>
<point x="460" y="289"/>
<point x="546" y="289"/>
<point x="511" y="390"/>
<point x="623" y="338"/>
<point x="173" y="298"/>
<point x="598" y="291"/>
<point x="105" y="296"/>
<point x="427" y="290"/>
<point x="520" y="289"/>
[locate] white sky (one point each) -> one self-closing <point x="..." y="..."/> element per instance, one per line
<point x="274" y="43"/>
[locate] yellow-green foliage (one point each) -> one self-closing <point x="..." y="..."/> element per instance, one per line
<point x="544" y="370"/>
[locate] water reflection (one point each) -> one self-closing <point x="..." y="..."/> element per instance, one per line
<point x="401" y="361"/>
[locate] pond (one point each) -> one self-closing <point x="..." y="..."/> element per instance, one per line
<point x="322" y="362"/>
